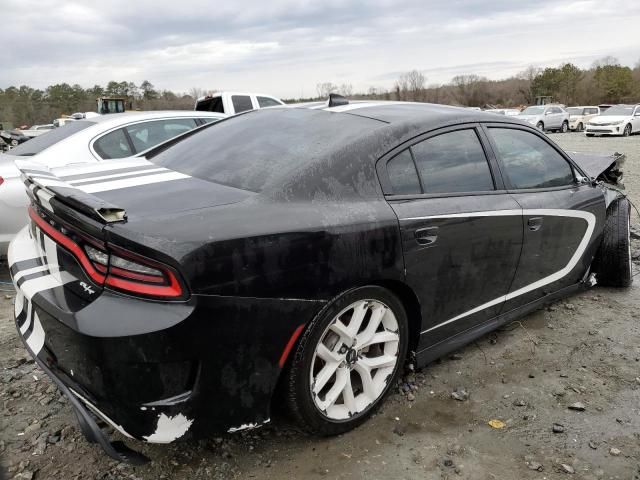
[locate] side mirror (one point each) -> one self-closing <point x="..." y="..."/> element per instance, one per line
<point x="547" y="113"/>
<point x="637" y="114"/>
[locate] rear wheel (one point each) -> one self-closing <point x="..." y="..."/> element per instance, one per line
<point x="565" y="127"/>
<point x="540" y="126"/>
<point x="613" y="260"/>
<point x="347" y="360"/>
<point x="627" y="130"/>
<point x="580" y="127"/>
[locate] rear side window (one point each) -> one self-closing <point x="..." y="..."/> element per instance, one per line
<point x="241" y="103"/>
<point x="113" y="145"/>
<point x="529" y="161"/>
<point x="268" y="102"/>
<point x="453" y="162"/>
<point x="146" y="135"/>
<point x="403" y="175"/>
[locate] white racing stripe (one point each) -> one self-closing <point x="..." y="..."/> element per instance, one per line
<point x="117" y="175"/>
<point x="132" y="182"/>
<point x="29" y="271"/>
<point x="36" y="339"/>
<point x="588" y="217"/>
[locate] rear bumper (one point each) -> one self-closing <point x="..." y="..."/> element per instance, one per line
<point x="156" y="371"/>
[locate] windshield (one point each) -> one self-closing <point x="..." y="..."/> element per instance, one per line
<point x="532" y="111"/>
<point x="621" y="110"/>
<point x="42" y="142"/>
<point x="575" y="111"/>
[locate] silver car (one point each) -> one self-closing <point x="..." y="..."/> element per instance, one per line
<point x="546" y="117"/>
<point x="106" y="137"/>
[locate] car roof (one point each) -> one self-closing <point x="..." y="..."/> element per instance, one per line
<point x="126" y="117"/>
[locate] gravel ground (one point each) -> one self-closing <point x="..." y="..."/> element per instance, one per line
<point x="585" y="349"/>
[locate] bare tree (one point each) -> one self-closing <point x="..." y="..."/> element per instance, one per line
<point x="470" y="89"/>
<point x="325" y="88"/>
<point x="605" y="61"/>
<point x="346" y="89"/>
<point x="410" y="86"/>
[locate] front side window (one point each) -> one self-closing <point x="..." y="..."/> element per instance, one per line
<point x="529" y="161"/>
<point x="268" y="102"/>
<point x="453" y="162"/>
<point x="241" y="103"/>
<point x="146" y="135"/>
<point x="402" y="174"/>
<point x="113" y="145"/>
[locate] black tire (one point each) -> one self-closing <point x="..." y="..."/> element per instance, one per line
<point x="580" y="127"/>
<point x="540" y="126"/>
<point x="613" y="260"/>
<point x="14" y="143"/>
<point x="565" y="127"/>
<point x="589" y="134"/>
<point x="627" y="130"/>
<point x="298" y="385"/>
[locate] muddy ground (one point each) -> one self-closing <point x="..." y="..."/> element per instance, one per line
<point x="584" y="349"/>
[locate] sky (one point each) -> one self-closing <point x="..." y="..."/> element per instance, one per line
<point x="287" y="47"/>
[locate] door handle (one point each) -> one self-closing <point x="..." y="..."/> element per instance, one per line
<point x="534" y="223"/>
<point x="426" y="236"/>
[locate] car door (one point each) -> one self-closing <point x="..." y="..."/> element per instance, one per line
<point x="461" y="230"/>
<point x="635" y="121"/>
<point x="555" y="118"/>
<point x="563" y="213"/>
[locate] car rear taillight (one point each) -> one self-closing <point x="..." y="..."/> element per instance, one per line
<point x="1" y="180"/>
<point x="112" y="266"/>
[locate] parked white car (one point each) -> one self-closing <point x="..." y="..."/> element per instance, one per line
<point x="618" y="120"/>
<point x="580" y="116"/>
<point x="546" y="117"/>
<point x="37" y="130"/>
<point x="231" y="103"/>
<point x="509" y="112"/>
<point x="107" y="137"/>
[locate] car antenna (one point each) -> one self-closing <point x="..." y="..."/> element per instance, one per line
<point x="336" y="100"/>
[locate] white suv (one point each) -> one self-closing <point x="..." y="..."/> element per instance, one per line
<point x="546" y="117"/>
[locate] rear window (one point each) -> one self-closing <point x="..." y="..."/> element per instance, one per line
<point x="42" y="142"/>
<point x="210" y="105"/>
<point x="241" y="103"/>
<point x="264" y="147"/>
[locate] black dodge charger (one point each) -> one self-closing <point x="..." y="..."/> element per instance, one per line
<point x="298" y="256"/>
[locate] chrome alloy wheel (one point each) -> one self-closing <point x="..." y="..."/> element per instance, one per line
<point x="355" y="359"/>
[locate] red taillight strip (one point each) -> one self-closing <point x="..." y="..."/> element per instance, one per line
<point x="69" y="244"/>
<point x="136" y="275"/>
<point x="289" y="346"/>
<point x="174" y="288"/>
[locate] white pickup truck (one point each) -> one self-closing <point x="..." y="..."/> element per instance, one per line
<point x="235" y="102"/>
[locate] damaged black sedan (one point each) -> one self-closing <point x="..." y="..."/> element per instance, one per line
<point x="298" y="256"/>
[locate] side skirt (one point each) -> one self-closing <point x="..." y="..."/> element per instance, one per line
<point x="436" y="351"/>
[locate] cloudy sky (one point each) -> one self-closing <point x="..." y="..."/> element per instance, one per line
<point x="286" y="47"/>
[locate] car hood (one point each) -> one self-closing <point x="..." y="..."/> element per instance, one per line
<point x="601" y="120"/>
<point x="594" y="164"/>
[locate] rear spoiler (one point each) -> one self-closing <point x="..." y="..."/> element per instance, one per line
<point x="43" y="186"/>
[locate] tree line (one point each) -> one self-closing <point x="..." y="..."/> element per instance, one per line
<point x="606" y="81"/>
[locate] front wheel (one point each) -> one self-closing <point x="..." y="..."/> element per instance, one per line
<point x="540" y="126"/>
<point x="627" y="130"/>
<point x="613" y="260"/>
<point x="565" y="127"/>
<point x="347" y="360"/>
<point x="14" y="142"/>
